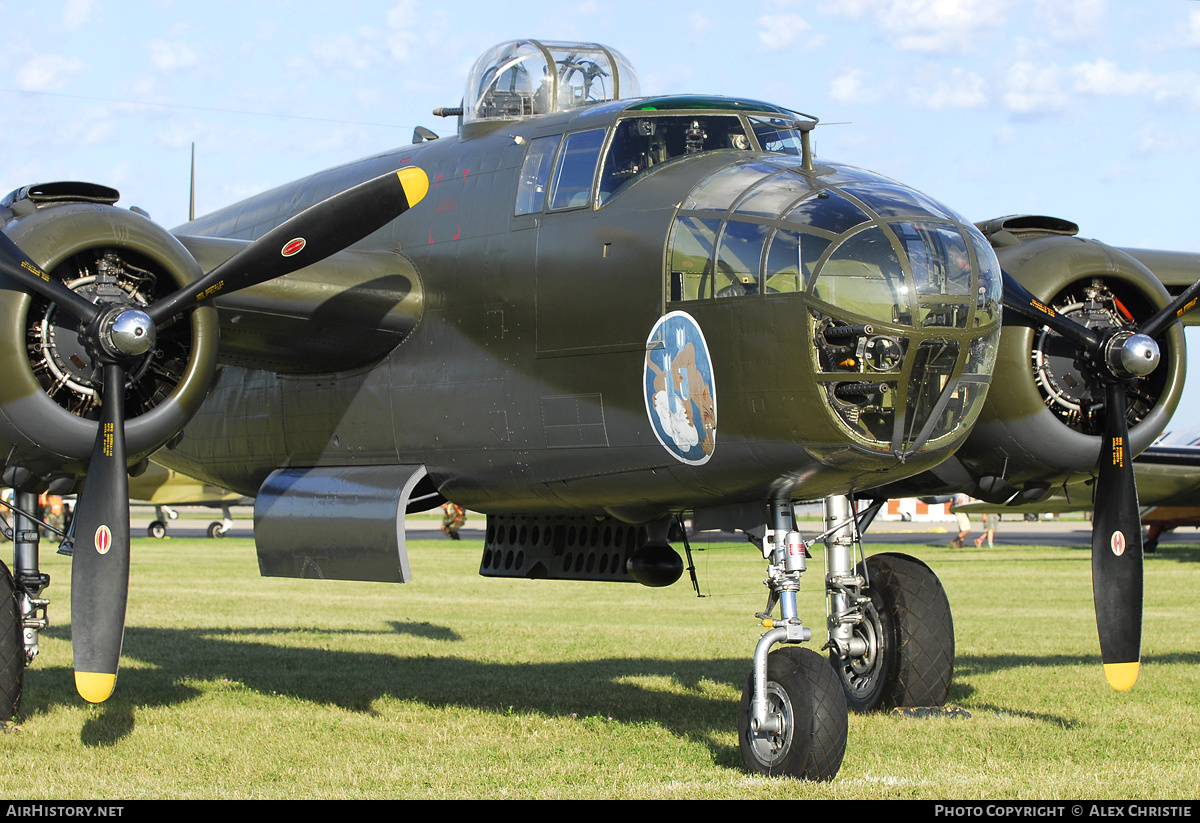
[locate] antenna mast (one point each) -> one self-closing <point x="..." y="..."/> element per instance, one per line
<point x="192" y="194"/>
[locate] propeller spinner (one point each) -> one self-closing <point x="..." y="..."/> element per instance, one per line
<point x="116" y="334"/>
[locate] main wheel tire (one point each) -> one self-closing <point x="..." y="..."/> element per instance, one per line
<point x="215" y="529"/>
<point x="801" y="687"/>
<point x="157" y="529"/>
<point x="910" y="639"/>
<point x="12" y="648"/>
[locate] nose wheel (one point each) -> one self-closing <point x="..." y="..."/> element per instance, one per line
<point x="806" y="698"/>
<point x="792" y="716"/>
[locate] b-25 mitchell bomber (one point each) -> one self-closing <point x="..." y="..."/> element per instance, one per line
<point x="586" y="314"/>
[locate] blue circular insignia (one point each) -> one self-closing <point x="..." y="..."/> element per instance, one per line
<point x="681" y="396"/>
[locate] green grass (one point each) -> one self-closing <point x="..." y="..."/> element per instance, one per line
<point x="234" y="686"/>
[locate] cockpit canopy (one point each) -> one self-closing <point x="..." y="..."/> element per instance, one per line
<point x="522" y="78"/>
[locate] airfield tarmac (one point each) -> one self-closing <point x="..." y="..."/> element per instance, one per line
<point x="1014" y="530"/>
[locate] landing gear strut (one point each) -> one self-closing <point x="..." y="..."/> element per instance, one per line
<point x="792" y="716"/>
<point x="158" y="526"/>
<point x="891" y="635"/>
<point x="219" y="528"/>
<point x="22" y="609"/>
<point x="891" y="643"/>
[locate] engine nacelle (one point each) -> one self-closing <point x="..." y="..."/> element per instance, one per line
<point x="1043" y="419"/>
<point x="48" y="401"/>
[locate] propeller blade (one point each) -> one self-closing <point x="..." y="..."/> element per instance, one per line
<point x="100" y="555"/>
<point x="16" y="264"/>
<point x="317" y="232"/>
<point x="1020" y="300"/>
<point x="1117" y="550"/>
<point x="1174" y="310"/>
<point x="100" y="560"/>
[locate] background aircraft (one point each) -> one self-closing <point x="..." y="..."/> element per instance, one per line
<point x="1169" y="472"/>
<point x="1168" y="485"/>
<point x="164" y="488"/>
<point x="588" y="313"/>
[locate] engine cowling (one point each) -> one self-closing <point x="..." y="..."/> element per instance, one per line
<point x="48" y="402"/>
<point x="1043" y="419"/>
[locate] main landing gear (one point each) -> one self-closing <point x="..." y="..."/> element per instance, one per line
<point x="22" y="608"/>
<point x="12" y="647"/>
<point x="891" y="643"/>
<point x="158" y="527"/>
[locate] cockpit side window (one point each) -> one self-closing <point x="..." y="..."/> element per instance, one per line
<point x="777" y="135"/>
<point x="576" y="168"/>
<point x="640" y="143"/>
<point x="535" y="174"/>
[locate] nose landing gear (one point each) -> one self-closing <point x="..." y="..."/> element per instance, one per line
<point x="891" y="644"/>
<point x="792" y="716"/>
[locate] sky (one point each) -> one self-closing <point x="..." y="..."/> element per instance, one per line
<point x="1087" y="110"/>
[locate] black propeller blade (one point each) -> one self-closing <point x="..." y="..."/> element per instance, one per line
<point x="23" y="270"/>
<point x="1117" y="550"/>
<point x="1115" y="358"/>
<point x="119" y="333"/>
<point x="1018" y="298"/>
<point x="100" y="562"/>
<point x="1176" y="309"/>
<point x="314" y="234"/>
<point x="1117" y="571"/>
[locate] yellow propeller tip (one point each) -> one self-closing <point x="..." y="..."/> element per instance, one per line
<point x="1121" y="676"/>
<point x="95" y="687"/>
<point x="415" y="183"/>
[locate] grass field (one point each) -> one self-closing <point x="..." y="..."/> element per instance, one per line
<point x="234" y="686"/>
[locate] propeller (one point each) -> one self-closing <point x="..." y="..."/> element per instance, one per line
<point x="1116" y="357"/>
<point x="117" y="334"/>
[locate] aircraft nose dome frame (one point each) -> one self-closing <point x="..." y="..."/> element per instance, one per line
<point x="903" y="294"/>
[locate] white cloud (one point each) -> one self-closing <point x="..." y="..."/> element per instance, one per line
<point x="401" y="15"/>
<point x="853" y="9"/>
<point x="119" y="173"/>
<point x="1152" y="139"/>
<point x="959" y="89"/>
<point x="92" y="127"/>
<point x="401" y="34"/>
<point x="849" y="88"/>
<point x="1103" y="77"/>
<point x="345" y="51"/>
<point x="399" y="39"/>
<point x="47" y="72"/>
<point x="939" y="26"/>
<point x="76" y="13"/>
<point x="780" y="31"/>
<point x="699" y="25"/>
<point x="1070" y="21"/>
<point x="929" y="26"/>
<point x="1004" y="137"/>
<point x="171" y="56"/>
<point x="1034" y="89"/>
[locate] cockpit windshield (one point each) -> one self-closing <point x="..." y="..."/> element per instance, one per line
<point x="640" y="143"/>
<point x="522" y="78"/>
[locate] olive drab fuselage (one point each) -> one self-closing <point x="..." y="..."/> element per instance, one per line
<point x="523" y="370"/>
